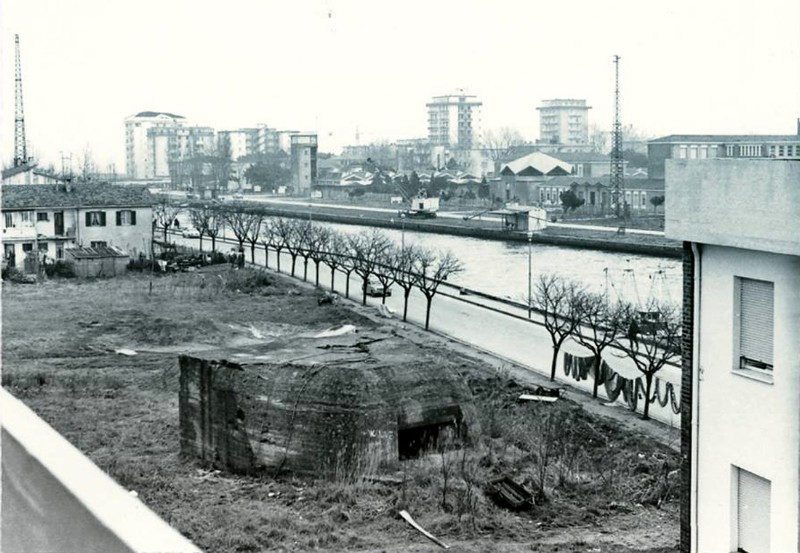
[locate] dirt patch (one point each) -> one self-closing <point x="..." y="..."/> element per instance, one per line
<point x="600" y="488"/>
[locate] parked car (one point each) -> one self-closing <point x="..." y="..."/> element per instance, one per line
<point x="238" y="196"/>
<point x="191" y="233"/>
<point x="376" y="289"/>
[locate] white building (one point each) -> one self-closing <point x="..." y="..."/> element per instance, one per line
<point x="138" y="148"/>
<point x="741" y="438"/>
<point x="243" y="142"/>
<point x="28" y="174"/>
<point x="48" y="219"/>
<point x="564" y="121"/>
<point x="304" y="162"/>
<point x="455" y="121"/>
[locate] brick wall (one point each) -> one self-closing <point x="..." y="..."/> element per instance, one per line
<point x="687" y="344"/>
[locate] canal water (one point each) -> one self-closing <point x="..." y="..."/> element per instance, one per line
<point x="501" y="268"/>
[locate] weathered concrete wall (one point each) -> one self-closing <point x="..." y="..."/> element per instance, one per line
<point x="322" y="419"/>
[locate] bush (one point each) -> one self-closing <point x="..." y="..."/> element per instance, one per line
<point x="60" y="269"/>
<point x="10" y="273"/>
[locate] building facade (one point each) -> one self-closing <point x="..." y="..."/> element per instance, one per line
<point x="138" y="151"/>
<point x="454" y="121"/>
<point x="50" y="218"/>
<point x="304" y="162"/>
<point x="28" y="174"/>
<point x="713" y="146"/>
<point x="741" y="357"/>
<point x="564" y="121"/>
<point x="243" y="142"/>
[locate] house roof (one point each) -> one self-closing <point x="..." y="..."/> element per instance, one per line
<point x="581" y="157"/>
<point x="538" y="162"/>
<point x="157" y="113"/>
<point x="11" y="171"/>
<point x="722" y="138"/>
<point x="96" y="253"/>
<point x="79" y="195"/>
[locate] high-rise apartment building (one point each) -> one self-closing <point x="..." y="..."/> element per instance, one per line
<point x="564" y="122"/>
<point x="454" y="121"/>
<point x="138" y="150"/>
<point x="243" y="142"/>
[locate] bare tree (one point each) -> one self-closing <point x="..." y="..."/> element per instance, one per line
<point x="282" y="230"/>
<point x="600" y="324"/>
<point x="201" y="216"/>
<point x="498" y="143"/>
<point x="318" y="244"/>
<point x="164" y="214"/>
<point x="253" y="233"/>
<point x="296" y="239"/>
<point x="384" y="271"/>
<point x="215" y="226"/>
<point x="368" y="249"/>
<point x="430" y="271"/>
<point x="558" y="301"/>
<point x="268" y="237"/>
<point x="333" y="257"/>
<point x="403" y="266"/>
<point x="239" y="221"/>
<point x="652" y="340"/>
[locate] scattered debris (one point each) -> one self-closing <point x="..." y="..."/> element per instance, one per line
<point x="328" y="299"/>
<point x="337" y="330"/>
<point x="293" y="292"/>
<point x="422" y="531"/>
<point x="123" y="351"/>
<point x="542" y="393"/>
<point x="507" y="493"/>
<point x="385" y="311"/>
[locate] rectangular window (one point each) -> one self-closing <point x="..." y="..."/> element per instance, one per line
<point x="9" y="220"/>
<point x="755" y="317"/>
<point x="59" y="252"/>
<point x="98" y="244"/>
<point x="27" y="247"/>
<point x="43" y="246"/>
<point x="753" y="506"/>
<point x="27" y="216"/>
<point x="42" y="217"/>
<point x="95" y="218"/>
<point x="126" y="218"/>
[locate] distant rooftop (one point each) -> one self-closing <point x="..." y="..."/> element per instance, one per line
<point x="723" y="138"/>
<point x="157" y="113"/>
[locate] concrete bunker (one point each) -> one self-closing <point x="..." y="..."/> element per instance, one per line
<point x="335" y="407"/>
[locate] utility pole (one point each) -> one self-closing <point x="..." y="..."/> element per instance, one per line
<point x="20" y="150"/>
<point x="617" y="177"/>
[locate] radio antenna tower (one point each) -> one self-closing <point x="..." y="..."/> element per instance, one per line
<point x="20" y="151"/>
<point x="617" y="177"/>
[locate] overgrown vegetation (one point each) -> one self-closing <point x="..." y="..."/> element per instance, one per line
<point x="586" y="472"/>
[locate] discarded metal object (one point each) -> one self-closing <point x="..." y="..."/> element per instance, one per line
<point x="507" y="493"/>
<point x="542" y="393"/>
<point x="422" y="531"/>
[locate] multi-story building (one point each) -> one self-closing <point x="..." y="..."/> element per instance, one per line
<point x="138" y="146"/>
<point x="737" y="219"/>
<point x="243" y="142"/>
<point x="304" y="162"/>
<point x="169" y="146"/>
<point x="454" y="121"/>
<point x="712" y="146"/>
<point x="564" y="122"/>
<point x="268" y="140"/>
<point x="48" y="219"/>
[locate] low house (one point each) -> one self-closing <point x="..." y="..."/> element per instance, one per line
<point x="520" y="179"/>
<point x="100" y="261"/>
<point x="48" y="219"/>
<point x="27" y="173"/>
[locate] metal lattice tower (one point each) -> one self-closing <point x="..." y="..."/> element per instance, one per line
<point x="617" y="177"/>
<point x="20" y="150"/>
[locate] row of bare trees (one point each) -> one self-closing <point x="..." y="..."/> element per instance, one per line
<point x="369" y="254"/>
<point x="649" y="335"/>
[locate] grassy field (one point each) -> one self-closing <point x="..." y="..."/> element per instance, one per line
<point x="598" y="488"/>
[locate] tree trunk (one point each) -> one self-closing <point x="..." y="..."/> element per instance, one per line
<point x="294" y="262"/>
<point x="598" y="360"/>
<point x="554" y="363"/>
<point x="213" y="243"/>
<point x="305" y="269"/>
<point x="406" y="293"/>
<point x="201" y="243"/>
<point x="278" y="258"/>
<point x="648" y="379"/>
<point x="428" y="310"/>
<point x="253" y="253"/>
<point x="165" y="233"/>
<point x="333" y="275"/>
<point x="266" y="256"/>
<point x="364" y="291"/>
<point x="347" y="286"/>
<point x="316" y="280"/>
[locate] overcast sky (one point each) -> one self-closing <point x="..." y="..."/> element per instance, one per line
<point x="334" y="66"/>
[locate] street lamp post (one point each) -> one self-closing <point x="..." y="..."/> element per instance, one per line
<point x="530" y="298"/>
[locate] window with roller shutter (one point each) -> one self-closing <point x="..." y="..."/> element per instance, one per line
<point x="755" y="319"/>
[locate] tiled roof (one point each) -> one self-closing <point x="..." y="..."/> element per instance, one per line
<point x="96" y="252"/>
<point x="723" y="138"/>
<point x="80" y="195"/>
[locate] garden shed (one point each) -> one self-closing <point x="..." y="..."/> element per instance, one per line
<point x="334" y="406"/>
<point x="99" y="261"/>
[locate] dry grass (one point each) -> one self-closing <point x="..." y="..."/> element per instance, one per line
<point x="58" y="351"/>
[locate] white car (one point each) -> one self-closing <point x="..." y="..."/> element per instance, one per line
<point x="376" y="289"/>
<point x="191" y="233"/>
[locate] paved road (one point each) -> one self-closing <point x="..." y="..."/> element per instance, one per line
<point x="494" y="327"/>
